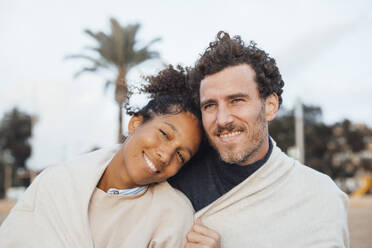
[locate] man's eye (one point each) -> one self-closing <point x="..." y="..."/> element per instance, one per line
<point x="208" y="106"/>
<point x="164" y="133"/>
<point x="236" y="100"/>
<point x="181" y="157"/>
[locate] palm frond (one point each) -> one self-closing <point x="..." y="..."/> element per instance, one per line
<point x="153" y="41"/>
<point x="143" y="54"/>
<point x="96" y="62"/>
<point x="107" y="85"/>
<point x="85" y="69"/>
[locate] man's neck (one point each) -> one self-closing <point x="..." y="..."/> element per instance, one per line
<point x="259" y="153"/>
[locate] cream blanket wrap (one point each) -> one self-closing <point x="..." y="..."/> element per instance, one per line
<point x="283" y="204"/>
<point x="53" y="212"/>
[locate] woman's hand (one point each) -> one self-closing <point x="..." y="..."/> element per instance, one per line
<point x="201" y="236"/>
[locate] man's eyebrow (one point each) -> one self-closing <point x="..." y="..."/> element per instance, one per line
<point x="175" y="129"/>
<point x="238" y="95"/>
<point x="207" y="102"/>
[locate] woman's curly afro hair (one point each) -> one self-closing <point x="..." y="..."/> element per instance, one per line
<point x="226" y="51"/>
<point x="170" y="93"/>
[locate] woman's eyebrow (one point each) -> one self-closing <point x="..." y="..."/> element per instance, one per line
<point x="175" y="130"/>
<point x="171" y="126"/>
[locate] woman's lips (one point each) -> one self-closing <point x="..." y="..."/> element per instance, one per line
<point x="150" y="164"/>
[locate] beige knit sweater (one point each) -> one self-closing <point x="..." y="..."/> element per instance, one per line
<point x="283" y="204"/>
<point x="53" y="212"/>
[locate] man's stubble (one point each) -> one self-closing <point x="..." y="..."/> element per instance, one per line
<point x="255" y="134"/>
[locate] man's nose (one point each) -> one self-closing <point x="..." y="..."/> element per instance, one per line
<point x="224" y="116"/>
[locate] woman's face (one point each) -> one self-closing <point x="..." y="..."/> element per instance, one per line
<point x="157" y="149"/>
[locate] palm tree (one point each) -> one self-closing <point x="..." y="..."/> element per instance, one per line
<point x="117" y="51"/>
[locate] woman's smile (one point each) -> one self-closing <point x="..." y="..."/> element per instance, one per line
<point x="153" y="169"/>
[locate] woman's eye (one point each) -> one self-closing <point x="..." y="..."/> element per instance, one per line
<point x="181" y="157"/>
<point x="163" y="133"/>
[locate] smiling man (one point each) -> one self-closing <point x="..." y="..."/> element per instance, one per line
<point x="235" y="117"/>
<point x="245" y="190"/>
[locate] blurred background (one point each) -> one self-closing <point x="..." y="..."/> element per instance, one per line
<point x="66" y="67"/>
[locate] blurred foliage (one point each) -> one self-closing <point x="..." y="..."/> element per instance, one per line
<point x="118" y="51"/>
<point x="15" y="149"/>
<point x="337" y="150"/>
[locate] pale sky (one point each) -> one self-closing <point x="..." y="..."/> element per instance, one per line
<point x="323" y="50"/>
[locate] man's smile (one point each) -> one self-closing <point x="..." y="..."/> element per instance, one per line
<point x="229" y="135"/>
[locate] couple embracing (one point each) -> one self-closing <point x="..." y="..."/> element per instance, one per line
<point x="233" y="188"/>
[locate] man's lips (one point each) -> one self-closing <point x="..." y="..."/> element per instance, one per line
<point x="228" y="137"/>
<point x="229" y="134"/>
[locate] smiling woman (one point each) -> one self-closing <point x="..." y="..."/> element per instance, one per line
<point x="154" y="151"/>
<point x="117" y="197"/>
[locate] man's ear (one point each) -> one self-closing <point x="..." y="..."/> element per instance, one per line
<point x="134" y="122"/>
<point x="271" y="106"/>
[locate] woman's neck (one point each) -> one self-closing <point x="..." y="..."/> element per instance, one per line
<point x="114" y="175"/>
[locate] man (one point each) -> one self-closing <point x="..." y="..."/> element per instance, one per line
<point x="245" y="190"/>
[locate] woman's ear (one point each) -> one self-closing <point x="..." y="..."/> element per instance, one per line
<point x="134" y="122"/>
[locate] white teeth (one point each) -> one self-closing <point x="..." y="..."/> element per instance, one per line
<point x="228" y="135"/>
<point x="149" y="163"/>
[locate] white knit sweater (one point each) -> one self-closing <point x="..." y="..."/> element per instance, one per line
<point x="53" y="212"/>
<point x="283" y="204"/>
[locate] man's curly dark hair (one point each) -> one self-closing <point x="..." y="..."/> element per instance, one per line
<point x="226" y="51"/>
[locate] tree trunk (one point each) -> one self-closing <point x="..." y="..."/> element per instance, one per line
<point x="120" y="137"/>
<point x="121" y="91"/>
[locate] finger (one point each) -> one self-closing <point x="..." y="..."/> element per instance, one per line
<point x="205" y="231"/>
<point x="197" y="238"/>
<point x="198" y="221"/>
<point x="193" y="245"/>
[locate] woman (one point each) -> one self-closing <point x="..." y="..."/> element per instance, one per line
<point x="113" y="197"/>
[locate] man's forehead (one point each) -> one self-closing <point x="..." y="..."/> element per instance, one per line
<point x="231" y="73"/>
<point x="230" y="81"/>
<point x="243" y="69"/>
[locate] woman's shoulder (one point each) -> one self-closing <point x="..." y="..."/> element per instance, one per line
<point x="174" y="198"/>
<point x="172" y="211"/>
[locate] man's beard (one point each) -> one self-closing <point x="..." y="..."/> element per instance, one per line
<point x="254" y="139"/>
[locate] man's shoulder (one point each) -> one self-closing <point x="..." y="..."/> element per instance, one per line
<point x="318" y="185"/>
<point x="302" y="179"/>
<point x="311" y="176"/>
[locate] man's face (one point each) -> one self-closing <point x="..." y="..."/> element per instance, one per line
<point x="234" y="115"/>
